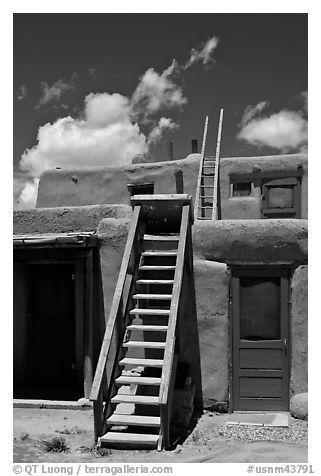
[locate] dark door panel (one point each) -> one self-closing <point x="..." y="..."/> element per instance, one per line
<point x="260" y="336"/>
<point x="51" y="324"/>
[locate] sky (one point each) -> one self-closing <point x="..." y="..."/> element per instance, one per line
<point x="99" y="89"/>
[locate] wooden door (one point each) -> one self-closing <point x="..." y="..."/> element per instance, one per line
<point x="51" y="326"/>
<point x="260" y="355"/>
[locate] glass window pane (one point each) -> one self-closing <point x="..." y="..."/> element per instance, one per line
<point x="260" y="308"/>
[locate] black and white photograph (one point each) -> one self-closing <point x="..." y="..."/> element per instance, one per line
<point x="160" y="249"/>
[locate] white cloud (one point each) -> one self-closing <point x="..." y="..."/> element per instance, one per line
<point x="285" y="130"/>
<point x="157" y="132"/>
<point x="54" y="92"/>
<point x="203" y="54"/>
<point x="107" y="131"/>
<point x="105" y="136"/>
<point x="156" y="92"/>
<point x="104" y="109"/>
<point x="28" y="195"/>
<point x="252" y="111"/>
<point x="22" y="92"/>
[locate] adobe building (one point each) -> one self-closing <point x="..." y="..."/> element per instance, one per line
<point x="250" y="274"/>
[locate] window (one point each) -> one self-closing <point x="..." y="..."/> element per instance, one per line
<point x="141" y="189"/>
<point x="281" y="198"/>
<point x="241" y="189"/>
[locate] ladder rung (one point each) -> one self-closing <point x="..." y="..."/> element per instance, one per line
<point x="142" y="362"/>
<point x="140" y="420"/>
<point x="148" y="312"/>
<point x="135" y="399"/>
<point x="124" y="380"/>
<point x="206" y="207"/>
<point x="160" y="297"/>
<point x="206" y="186"/>
<point x="161" y="237"/>
<point x="159" y="253"/>
<point x="156" y="268"/>
<point x="155" y="281"/>
<point x="144" y="344"/>
<point x="142" y="327"/>
<point x="207" y="175"/>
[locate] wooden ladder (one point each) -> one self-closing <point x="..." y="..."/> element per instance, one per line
<point x="137" y="408"/>
<point x="207" y="191"/>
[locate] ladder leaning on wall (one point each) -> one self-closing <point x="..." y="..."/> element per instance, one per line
<point x="206" y="198"/>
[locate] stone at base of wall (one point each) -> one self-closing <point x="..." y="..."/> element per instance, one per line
<point x="215" y="406"/>
<point x="299" y="406"/>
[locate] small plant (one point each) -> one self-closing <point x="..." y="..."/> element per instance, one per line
<point x="56" y="445"/>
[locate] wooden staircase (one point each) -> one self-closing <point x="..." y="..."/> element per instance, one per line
<point x="135" y="375"/>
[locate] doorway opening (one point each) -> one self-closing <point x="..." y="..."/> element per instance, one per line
<point x="46" y="331"/>
<point x="260" y="334"/>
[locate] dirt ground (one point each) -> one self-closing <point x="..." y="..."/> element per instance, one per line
<point x="211" y="441"/>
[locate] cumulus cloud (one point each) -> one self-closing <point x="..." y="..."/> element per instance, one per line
<point x="102" y="137"/>
<point x="28" y="195"/>
<point x="156" y="92"/>
<point x="22" y="92"/>
<point x="285" y="130"/>
<point x="203" y="54"/>
<point x="157" y="132"/>
<point x="108" y="129"/>
<point x="54" y="92"/>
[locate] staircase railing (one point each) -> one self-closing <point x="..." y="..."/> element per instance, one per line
<point x="172" y="340"/>
<point x="115" y="327"/>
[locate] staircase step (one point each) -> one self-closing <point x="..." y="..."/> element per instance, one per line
<point x="131" y="439"/>
<point x="156" y="268"/>
<point x="135" y="399"/>
<point x="159" y="253"/>
<point x="138" y="327"/>
<point x="150" y="312"/>
<point x="155" y="281"/>
<point x="125" y="380"/>
<point x="161" y="237"/>
<point x="160" y="297"/>
<point x="142" y="362"/>
<point x="144" y="344"/>
<point x="138" y="420"/>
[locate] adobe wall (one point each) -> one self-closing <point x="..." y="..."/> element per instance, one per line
<point x="65" y="219"/>
<point x="216" y="246"/>
<point x="299" y="331"/>
<point x="99" y="185"/>
<point x="240" y="208"/>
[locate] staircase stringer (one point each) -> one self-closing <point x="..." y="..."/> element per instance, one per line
<point x="172" y="340"/>
<point x="115" y="328"/>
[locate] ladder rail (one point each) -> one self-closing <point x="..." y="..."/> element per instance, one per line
<point x="216" y="170"/>
<point x="199" y="178"/>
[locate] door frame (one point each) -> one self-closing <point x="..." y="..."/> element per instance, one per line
<point x="282" y="271"/>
